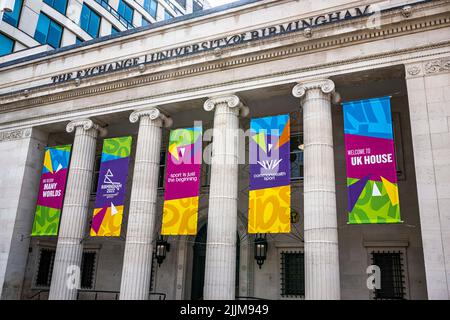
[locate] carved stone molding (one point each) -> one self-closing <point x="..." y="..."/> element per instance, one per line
<point x="153" y="114"/>
<point x="15" y="134"/>
<point x="431" y="67"/>
<point x="86" y="124"/>
<point x="414" y="70"/>
<point x="231" y="100"/>
<point x="437" y="66"/>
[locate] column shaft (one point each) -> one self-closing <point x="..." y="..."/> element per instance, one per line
<point x="136" y="273"/>
<point x="220" y="267"/>
<point x="69" y="250"/>
<point x="321" y="236"/>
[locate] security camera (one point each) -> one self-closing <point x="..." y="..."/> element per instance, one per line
<point x="6" y="5"/>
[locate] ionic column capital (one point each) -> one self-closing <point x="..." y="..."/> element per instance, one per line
<point x="86" y="124"/>
<point x="327" y="86"/>
<point x="153" y="114"/>
<point x="231" y="100"/>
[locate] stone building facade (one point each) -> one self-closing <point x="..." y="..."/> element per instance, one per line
<point x="223" y="67"/>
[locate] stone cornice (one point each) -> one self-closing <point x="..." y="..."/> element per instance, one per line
<point x="18" y="101"/>
<point x="322" y="70"/>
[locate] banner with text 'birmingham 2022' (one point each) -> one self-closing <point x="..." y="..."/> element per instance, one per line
<point x="112" y="179"/>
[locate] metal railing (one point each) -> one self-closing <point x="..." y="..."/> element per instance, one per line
<point x="249" y="298"/>
<point x="116" y="14"/>
<point x="95" y="295"/>
<point x="174" y="7"/>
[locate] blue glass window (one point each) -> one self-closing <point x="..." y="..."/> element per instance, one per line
<point x="48" y="31"/>
<point x="145" y="22"/>
<point x="6" y="45"/>
<point x="167" y="15"/>
<point x="104" y="3"/>
<point x="13" y="17"/>
<point x="58" y="5"/>
<point x="151" y="6"/>
<point x="79" y="40"/>
<point x="90" y="21"/>
<point x="114" y="30"/>
<point x="126" y="11"/>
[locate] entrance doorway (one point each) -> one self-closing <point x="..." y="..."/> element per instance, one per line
<point x="198" y="269"/>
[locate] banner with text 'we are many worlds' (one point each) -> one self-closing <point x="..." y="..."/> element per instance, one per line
<point x="371" y="167"/>
<point x="112" y="179"/>
<point x="51" y="191"/>
<point x="182" y="184"/>
<point x="270" y="175"/>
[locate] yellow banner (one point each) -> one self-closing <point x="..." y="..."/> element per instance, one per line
<point x="180" y="217"/>
<point x="270" y="210"/>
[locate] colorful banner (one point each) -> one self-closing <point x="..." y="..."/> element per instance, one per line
<point x="371" y="167"/>
<point x="182" y="187"/>
<point x="270" y="175"/>
<point x="51" y="191"/>
<point x="112" y="179"/>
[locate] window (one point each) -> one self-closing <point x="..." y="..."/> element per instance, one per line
<point x="48" y="31"/>
<point x="151" y="6"/>
<point x="88" y="269"/>
<point x="197" y="6"/>
<point x="292" y="274"/>
<point x="392" y="275"/>
<point x="58" y="5"/>
<point x="96" y="173"/>
<point x="182" y="3"/>
<point x="45" y="267"/>
<point x="206" y="175"/>
<point x="398" y="144"/>
<point x="78" y="40"/>
<point x="145" y="22"/>
<point x="162" y="165"/>
<point x="296" y="156"/>
<point x="103" y="3"/>
<point x="13" y="17"/>
<point x="167" y="15"/>
<point x="126" y="11"/>
<point x="6" y="45"/>
<point x="114" y="30"/>
<point x="90" y="21"/>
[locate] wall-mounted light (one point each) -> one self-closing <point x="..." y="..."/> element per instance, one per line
<point x="162" y="247"/>
<point x="261" y="247"/>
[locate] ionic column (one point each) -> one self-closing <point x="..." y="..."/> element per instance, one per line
<point x="321" y="236"/>
<point x="220" y="268"/>
<point x="136" y="272"/>
<point x="69" y="250"/>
